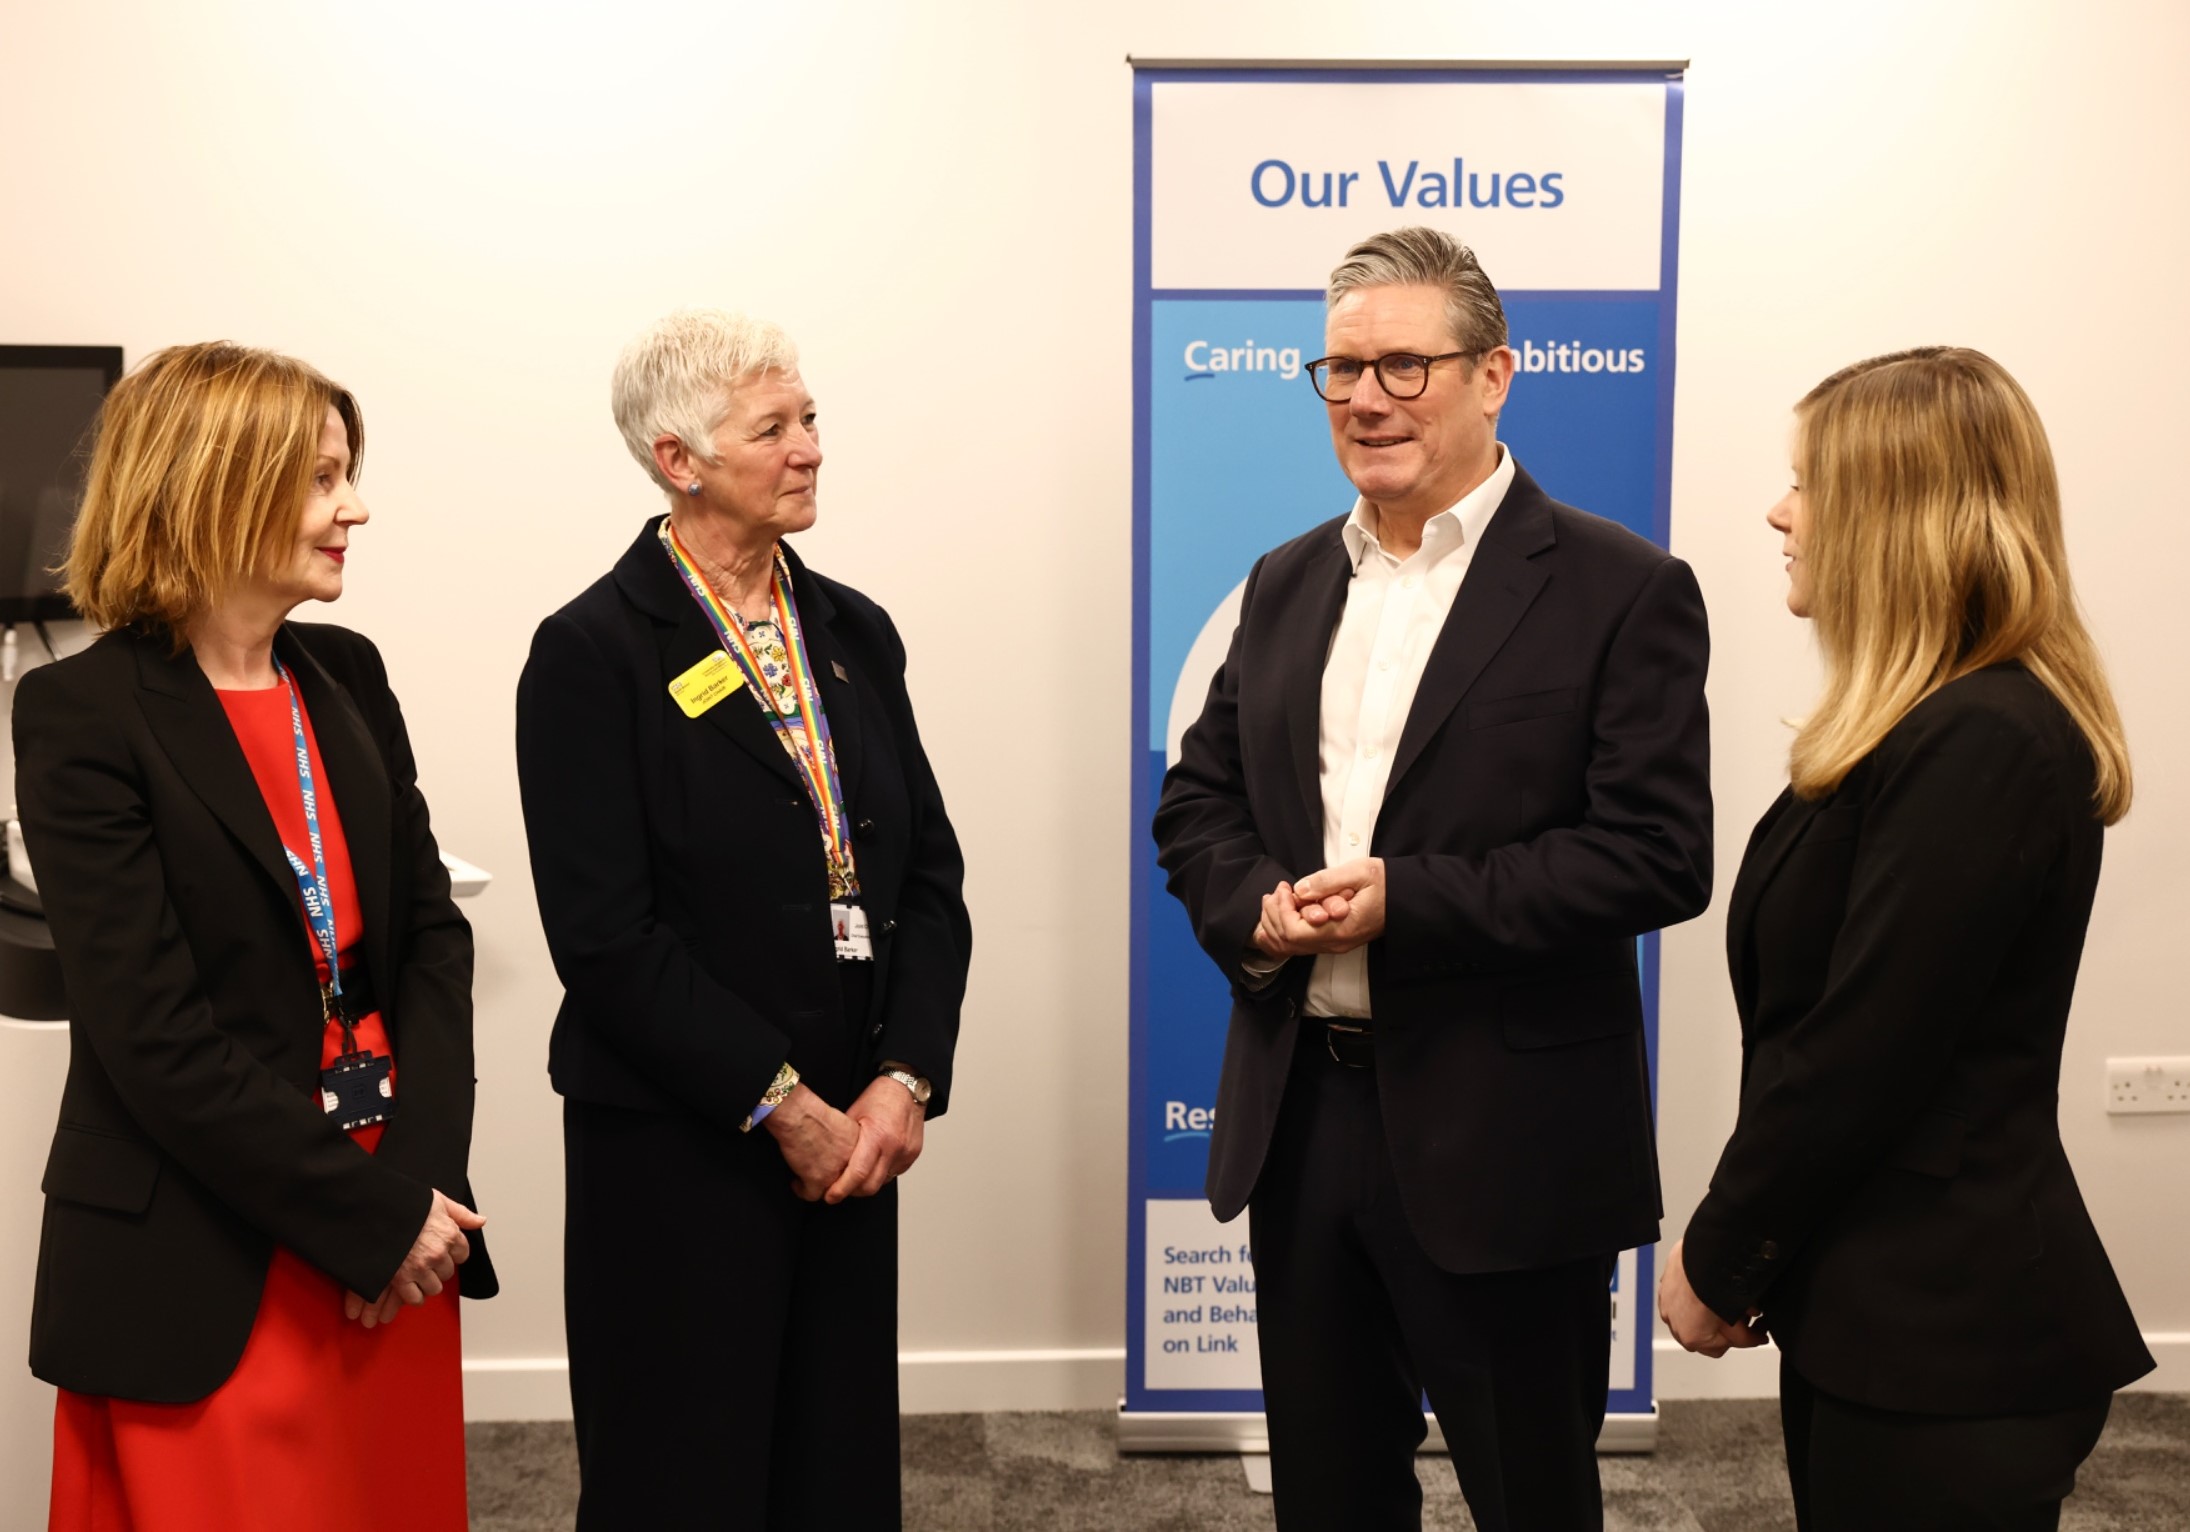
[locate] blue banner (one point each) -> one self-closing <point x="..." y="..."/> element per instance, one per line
<point x="1249" y="186"/>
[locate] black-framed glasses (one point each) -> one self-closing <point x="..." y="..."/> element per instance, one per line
<point x="1402" y="374"/>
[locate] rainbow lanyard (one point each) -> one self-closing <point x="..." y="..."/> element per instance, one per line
<point x="805" y="734"/>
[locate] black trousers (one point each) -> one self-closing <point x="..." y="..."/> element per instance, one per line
<point x="733" y="1350"/>
<point x="1858" y="1469"/>
<point x="1356" y="1322"/>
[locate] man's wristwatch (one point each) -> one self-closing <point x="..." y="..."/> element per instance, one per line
<point x="920" y="1088"/>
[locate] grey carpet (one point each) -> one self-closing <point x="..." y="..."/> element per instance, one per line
<point x="1717" y="1469"/>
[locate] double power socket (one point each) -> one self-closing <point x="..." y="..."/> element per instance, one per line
<point x="2147" y="1085"/>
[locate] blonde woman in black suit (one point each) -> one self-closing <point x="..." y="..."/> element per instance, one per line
<point x="1895" y="1208"/>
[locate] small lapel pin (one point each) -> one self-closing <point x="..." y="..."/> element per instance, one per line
<point x="841" y="673"/>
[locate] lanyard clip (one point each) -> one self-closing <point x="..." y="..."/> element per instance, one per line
<point x="333" y="1009"/>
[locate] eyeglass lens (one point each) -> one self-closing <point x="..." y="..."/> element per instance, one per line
<point x="1402" y="374"/>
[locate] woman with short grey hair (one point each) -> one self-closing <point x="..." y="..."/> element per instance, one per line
<point x="751" y="893"/>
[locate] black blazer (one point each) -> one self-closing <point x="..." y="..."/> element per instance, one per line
<point x="191" y="1140"/>
<point x="678" y="861"/>
<point x="1895" y="1196"/>
<point x="1549" y="801"/>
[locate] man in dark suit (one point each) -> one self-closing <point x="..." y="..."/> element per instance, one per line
<point x="1455" y="762"/>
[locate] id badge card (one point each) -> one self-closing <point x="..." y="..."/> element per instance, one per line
<point x="849" y="924"/>
<point x="358" y="1090"/>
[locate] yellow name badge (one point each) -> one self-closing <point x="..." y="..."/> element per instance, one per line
<point x="705" y="684"/>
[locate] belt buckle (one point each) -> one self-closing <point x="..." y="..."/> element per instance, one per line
<point x="1330" y="1043"/>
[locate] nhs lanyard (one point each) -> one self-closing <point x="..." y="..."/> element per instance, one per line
<point x="319" y="903"/>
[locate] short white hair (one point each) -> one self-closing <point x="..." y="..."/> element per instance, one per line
<point x="677" y="375"/>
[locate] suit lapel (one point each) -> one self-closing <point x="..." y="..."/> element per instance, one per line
<point x="832" y="675"/>
<point x="1776" y="834"/>
<point x="186" y="718"/>
<point x="736" y="717"/>
<point x="1502" y="584"/>
<point x="685" y="637"/>
<point x="1304" y="649"/>
<point x="357" y="784"/>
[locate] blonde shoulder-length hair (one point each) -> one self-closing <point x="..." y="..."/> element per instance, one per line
<point x="200" y="463"/>
<point x="1935" y="549"/>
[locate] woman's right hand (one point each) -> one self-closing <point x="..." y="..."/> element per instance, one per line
<point x="1691" y="1320"/>
<point x="369" y="1311"/>
<point x="816" y="1139"/>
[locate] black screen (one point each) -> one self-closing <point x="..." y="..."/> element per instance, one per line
<point x="49" y="397"/>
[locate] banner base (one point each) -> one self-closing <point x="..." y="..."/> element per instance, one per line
<point x="1191" y="1431"/>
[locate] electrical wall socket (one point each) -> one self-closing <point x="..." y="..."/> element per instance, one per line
<point x="2147" y="1085"/>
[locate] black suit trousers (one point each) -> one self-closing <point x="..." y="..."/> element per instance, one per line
<point x="1356" y="1323"/>
<point x="751" y="1381"/>
<point x="733" y="1350"/>
<point x="1858" y="1469"/>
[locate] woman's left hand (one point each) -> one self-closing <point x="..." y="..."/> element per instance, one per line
<point x="891" y="1126"/>
<point x="1691" y="1320"/>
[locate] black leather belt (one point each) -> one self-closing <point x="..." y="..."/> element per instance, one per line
<point x="357" y="1000"/>
<point x="1350" y="1043"/>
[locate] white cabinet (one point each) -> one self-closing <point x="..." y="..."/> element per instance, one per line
<point x="33" y="1062"/>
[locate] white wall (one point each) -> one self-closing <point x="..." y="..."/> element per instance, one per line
<point x="462" y="211"/>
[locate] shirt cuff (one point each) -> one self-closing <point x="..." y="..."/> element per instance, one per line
<point x="1259" y="968"/>
<point x="779" y="1090"/>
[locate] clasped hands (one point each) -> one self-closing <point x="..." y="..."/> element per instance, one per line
<point x="1693" y="1322"/>
<point x="852" y="1153"/>
<point x="1332" y="911"/>
<point x="439" y="1249"/>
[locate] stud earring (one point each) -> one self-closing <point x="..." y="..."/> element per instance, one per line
<point x="693" y="488"/>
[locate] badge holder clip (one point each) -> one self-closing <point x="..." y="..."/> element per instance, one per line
<point x="358" y="1089"/>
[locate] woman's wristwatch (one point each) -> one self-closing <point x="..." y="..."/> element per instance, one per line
<point x="920" y="1088"/>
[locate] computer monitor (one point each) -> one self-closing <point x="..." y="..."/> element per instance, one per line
<point x="49" y="397"/>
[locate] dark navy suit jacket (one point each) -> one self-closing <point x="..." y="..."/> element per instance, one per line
<point x="1904" y="950"/>
<point x="678" y="860"/>
<point x="1549" y="801"/>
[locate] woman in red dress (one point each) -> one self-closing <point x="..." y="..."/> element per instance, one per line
<point x="257" y="1199"/>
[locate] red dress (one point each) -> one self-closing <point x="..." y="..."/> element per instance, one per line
<point x="324" y="1426"/>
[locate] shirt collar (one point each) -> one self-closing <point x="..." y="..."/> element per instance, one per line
<point x="1467" y="518"/>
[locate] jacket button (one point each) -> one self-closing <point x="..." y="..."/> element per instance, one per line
<point x="865" y="827"/>
<point x="888" y="926"/>
<point x="1768" y="1251"/>
<point x="875" y="1030"/>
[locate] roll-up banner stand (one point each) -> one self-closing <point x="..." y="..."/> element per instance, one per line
<point x="1249" y="184"/>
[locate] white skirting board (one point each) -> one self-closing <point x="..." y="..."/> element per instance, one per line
<point x="929" y="1383"/>
<point x="1753" y="1373"/>
<point x="970" y="1382"/>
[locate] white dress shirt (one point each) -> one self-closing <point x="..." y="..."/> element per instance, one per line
<point x="1395" y="608"/>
